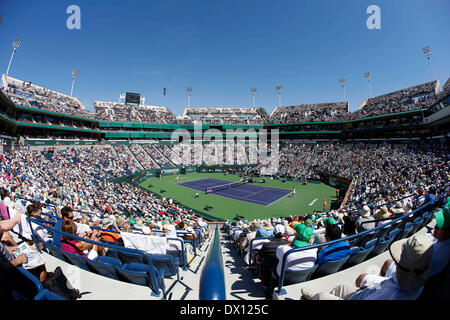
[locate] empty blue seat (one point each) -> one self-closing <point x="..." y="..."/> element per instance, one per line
<point x="128" y="274"/>
<point x="358" y="255"/>
<point x="55" y="251"/>
<point x="427" y="216"/>
<point x="292" y="277"/>
<point x="329" y="267"/>
<point x="416" y="225"/>
<point x="131" y="257"/>
<point x="371" y="243"/>
<point x="144" y="275"/>
<point x="406" y="230"/>
<point x="77" y="260"/>
<point x="167" y="263"/>
<point x="109" y="260"/>
<point x="383" y="244"/>
<point x="394" y="234"/>
<point x="383" y="232"/>
<point x="102" y="268"/>
<point x="366" y="238"/>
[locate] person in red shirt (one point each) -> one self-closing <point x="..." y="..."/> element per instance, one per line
<point x="324" y="205"/>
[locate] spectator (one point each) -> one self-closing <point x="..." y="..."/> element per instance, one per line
<point x="300" y="260"/>
<point x="349" y="227"/>
<point x="437" y="286"/>
<point x="413" y="256"/>
<point x="245" y="240"/>
<point x="267" y="257"/>
<point x="265" y="231"/>
<point x="398" y="210"/>
<point x="364" y="216"/>
<point x="75" y="246"/>
<point x="336" y="251"/>
<point x="382" y="213"/>
<point x="441" y="235"/>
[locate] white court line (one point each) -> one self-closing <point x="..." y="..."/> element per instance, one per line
<point x="279" y="199"/>
<point x="312" y="202"/>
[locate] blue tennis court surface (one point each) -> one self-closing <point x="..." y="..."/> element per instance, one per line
<point x="244" y="192"/>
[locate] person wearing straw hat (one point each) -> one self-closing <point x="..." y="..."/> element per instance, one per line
<point x="382" y="213"/>
<point x="413" y="260"/>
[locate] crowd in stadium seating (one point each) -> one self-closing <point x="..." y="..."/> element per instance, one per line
<point x="31" y="95"/>
<point x="221" y="115"/>
<point x="119" y="111"/>
<point x="379" y="172"/>
<point x="310" y="113"/>
<point x="78" y="177"/>
<point x="417" y="97"/>
<point x="315" y="228"/>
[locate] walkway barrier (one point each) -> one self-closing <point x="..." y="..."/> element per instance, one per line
<point x="212" y="279"/>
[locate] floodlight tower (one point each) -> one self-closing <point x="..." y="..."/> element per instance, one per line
<point x="368" y="76"/>
<point x="189" y="92"/>
<point x="74" y="75"/>
<point x="253" y="91"/>
<point x="427" y="53"/>
<point x="279" y="89"/>
<point x="16" y="45"/>
<point x="342" y="83"/>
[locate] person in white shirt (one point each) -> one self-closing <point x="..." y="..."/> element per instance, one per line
<point x="300" y="260"/>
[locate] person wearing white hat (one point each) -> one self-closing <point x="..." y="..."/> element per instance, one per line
<point x="146" y="230"/>
<point x="268" y="258"/>
<point x="364" y="216"/>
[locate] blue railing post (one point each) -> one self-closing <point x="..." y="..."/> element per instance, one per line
<point x="212" y="279"/>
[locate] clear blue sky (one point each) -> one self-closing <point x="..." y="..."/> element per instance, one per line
<point x="223" y="48"/>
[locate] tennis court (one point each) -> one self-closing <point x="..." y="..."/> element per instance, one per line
<point x="245" y="192"/>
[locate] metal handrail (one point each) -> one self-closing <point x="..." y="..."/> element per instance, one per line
<point x="212" y="279"/>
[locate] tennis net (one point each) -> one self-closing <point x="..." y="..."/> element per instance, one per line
<point x="225" y="186"/>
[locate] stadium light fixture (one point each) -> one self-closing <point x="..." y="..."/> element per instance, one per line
<point x="253" y="91"/>
<point x="16" y="45"/>
<point x="279" y="89"/>
<point x="427" y="53"/>
<point x="342" y="83"/>
<point x="368" y="76"/>
<point x="189" y="92"/>
<point x="74" y="75"/>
